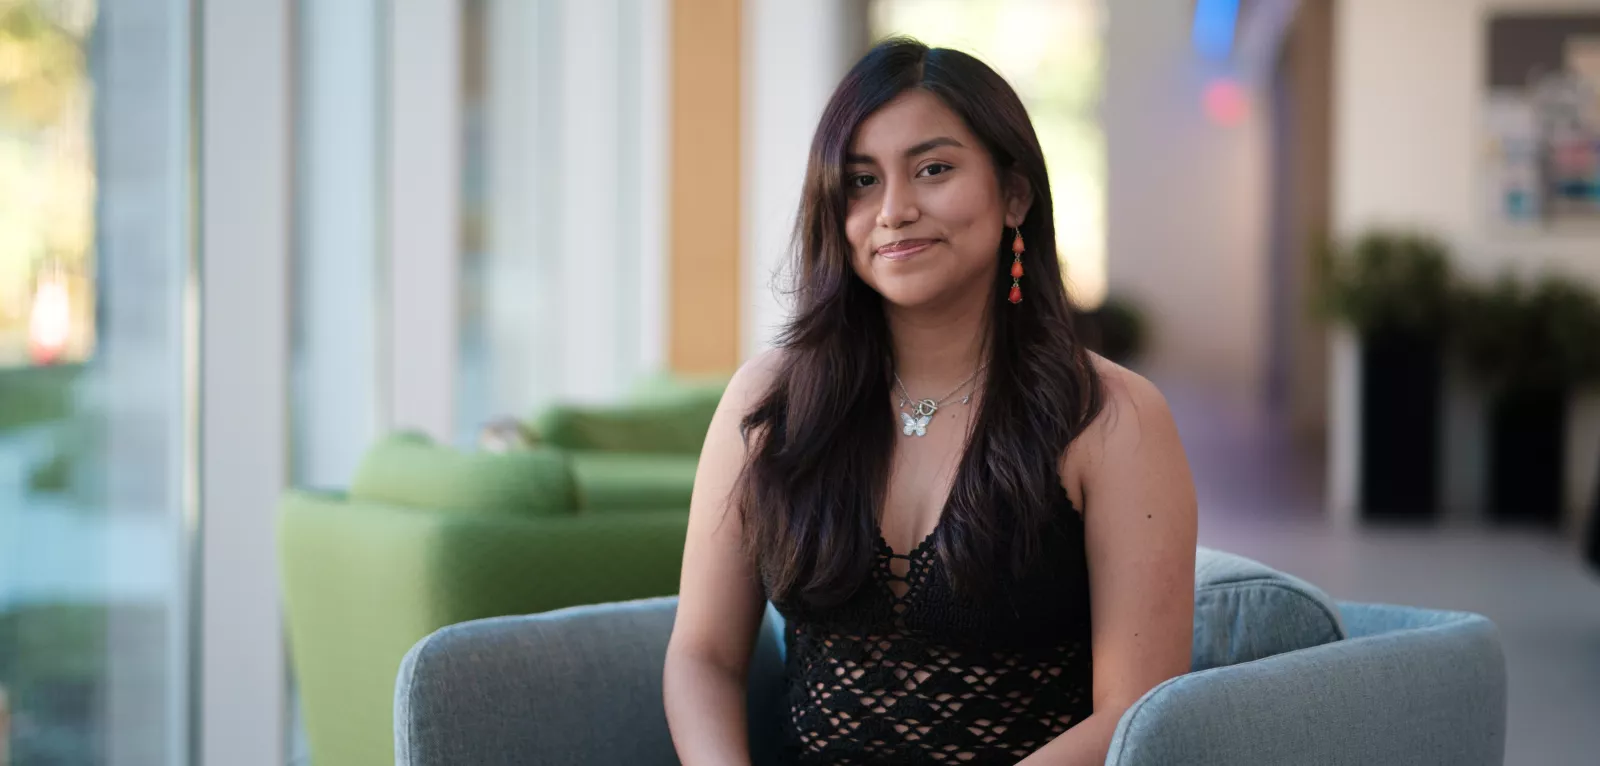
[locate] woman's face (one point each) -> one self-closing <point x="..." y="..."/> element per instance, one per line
<point x="926" y="209"/>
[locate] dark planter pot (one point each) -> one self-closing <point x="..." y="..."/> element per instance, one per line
<point x="1527" y="456"/>
<point x="1401" y="383"/>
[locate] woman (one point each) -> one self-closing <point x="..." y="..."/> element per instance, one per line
<point x="954" y="505"/>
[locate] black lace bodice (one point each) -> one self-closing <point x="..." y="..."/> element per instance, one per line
<point x="927" y="677"/>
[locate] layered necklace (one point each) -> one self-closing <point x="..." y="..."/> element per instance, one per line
<point x="921" y="411"/>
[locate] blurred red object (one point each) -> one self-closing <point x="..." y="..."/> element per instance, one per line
<point x="50" y="321"/>
<point x="1226" y="102"/>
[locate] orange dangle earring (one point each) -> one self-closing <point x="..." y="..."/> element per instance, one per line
<point x="1016" y="269"/>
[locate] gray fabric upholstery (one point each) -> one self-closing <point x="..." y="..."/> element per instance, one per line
<point x="1244" y="611"/>
<point x="1277" y="682"/>
<point x="573" y="686"/>
<point x="1414" y="687"/>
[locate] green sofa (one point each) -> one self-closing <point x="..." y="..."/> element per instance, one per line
<point x="428" y="536"/>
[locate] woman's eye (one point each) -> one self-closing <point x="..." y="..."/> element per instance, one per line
<point x="933" y="169"/>
<point x="861" y="181"/>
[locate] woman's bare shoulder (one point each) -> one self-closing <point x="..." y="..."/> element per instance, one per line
<point x="753" y="380"/>
<point x="1132" y="408"/>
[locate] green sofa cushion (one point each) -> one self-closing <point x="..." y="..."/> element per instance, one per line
<point x="412" y="471"/>
<point x="632" y="481"/>
<point x="675" y="424"/>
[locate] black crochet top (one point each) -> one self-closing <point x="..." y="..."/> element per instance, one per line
<point x="929" y="678"/>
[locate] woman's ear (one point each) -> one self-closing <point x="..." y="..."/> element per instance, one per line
<point x="1019" y="197"/>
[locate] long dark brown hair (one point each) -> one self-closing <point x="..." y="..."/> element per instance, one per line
<point x="823" y="435"/>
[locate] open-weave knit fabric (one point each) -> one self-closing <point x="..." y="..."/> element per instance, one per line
<point x="907" y="672"/>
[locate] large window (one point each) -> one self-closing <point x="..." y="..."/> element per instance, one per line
<point x="47" y="172"/>
<point x="95" y="264"/>
<point x="1050" y="51"/>
<point x="338" y="336"/>
<point x="563" y="202"/>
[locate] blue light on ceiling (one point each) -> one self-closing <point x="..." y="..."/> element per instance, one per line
<point x="1214" y="22"/>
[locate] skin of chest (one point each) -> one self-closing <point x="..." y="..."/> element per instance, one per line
<point x="921" y="473"/>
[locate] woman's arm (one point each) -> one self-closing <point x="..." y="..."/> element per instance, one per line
<point x="1140" y="516"/>
<point x="720" y="605"/>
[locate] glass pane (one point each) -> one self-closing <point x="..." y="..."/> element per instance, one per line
<point x="95" y="265"/>
<point x="337" y="404"/>
<point x="562" y="204"/>
<point x="475" y="400"/>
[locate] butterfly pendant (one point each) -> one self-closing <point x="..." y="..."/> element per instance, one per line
<point x="917" y="426"/>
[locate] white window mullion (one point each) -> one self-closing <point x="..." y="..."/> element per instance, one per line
<point x="651" y="65"/>
<point x="245" y="162"/>
<point x="591" y="223"/>
<point x="424" y="213"/>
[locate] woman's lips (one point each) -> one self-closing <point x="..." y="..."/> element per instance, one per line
<point x="905" y="248"/>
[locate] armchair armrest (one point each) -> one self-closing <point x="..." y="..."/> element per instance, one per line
<point x="574" y="686"/>
<point x="1411" y="687"/>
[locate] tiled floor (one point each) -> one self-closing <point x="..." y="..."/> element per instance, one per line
<point x="1260" y="499"/>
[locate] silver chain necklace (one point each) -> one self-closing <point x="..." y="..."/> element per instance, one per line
<point x="916" y="422"/>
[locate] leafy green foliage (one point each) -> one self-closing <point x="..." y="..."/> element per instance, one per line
<point x="29" y="396"/>
<point x="1387" y="281"/>
<point x="1518" y="336"/>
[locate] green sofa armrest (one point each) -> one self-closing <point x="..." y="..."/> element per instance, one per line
<point x="626" y="481"/>
<point x="363" y="582"/>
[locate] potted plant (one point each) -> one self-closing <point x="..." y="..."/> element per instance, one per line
<point x="1393" y="288"/>
<point x="1533" y="345"/>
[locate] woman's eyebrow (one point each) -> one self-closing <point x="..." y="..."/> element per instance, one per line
<point x="922" y="148"/>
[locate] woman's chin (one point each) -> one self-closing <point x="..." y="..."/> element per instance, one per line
<point x="916" y="293"/>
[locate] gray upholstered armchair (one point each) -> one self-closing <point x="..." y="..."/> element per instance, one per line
<point x="1281" y="675"/>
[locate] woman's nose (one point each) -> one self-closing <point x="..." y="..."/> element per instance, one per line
<point x="899" y="206"/>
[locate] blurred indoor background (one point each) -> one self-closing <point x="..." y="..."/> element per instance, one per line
<point x="245" y="242"/>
